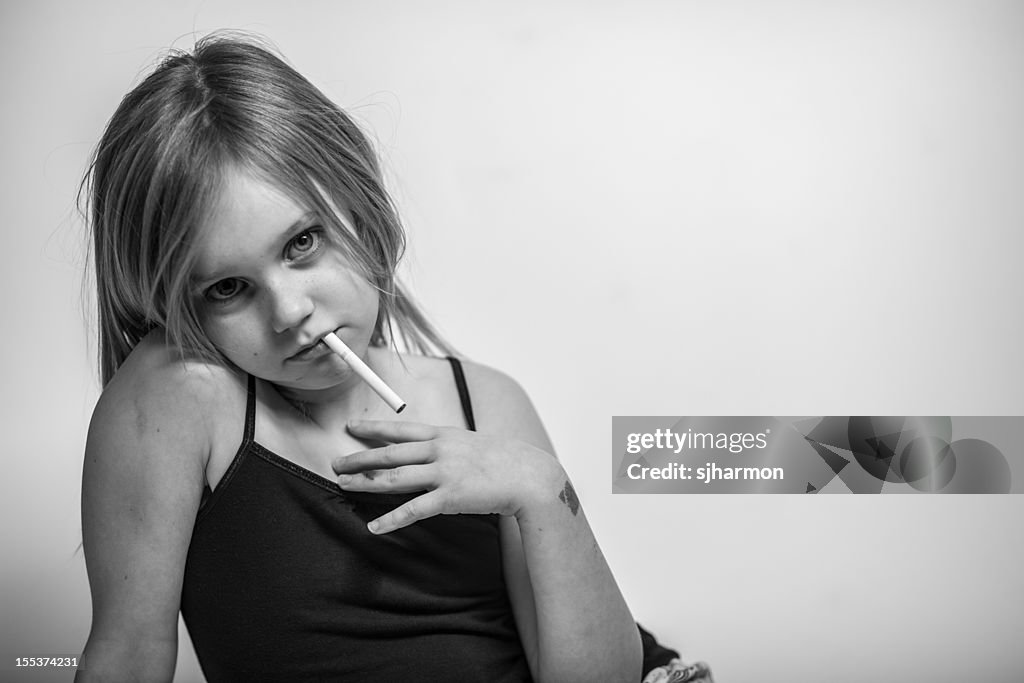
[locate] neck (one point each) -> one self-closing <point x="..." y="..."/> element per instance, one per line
<point x="333" y="406"/>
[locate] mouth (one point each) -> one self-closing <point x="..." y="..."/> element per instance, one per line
<point x="314" y="350"/>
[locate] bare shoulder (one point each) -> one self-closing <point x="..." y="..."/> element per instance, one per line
<point x="502" y="406"/>
<point x="156" y="395"/>
<point x="142" y="480"/>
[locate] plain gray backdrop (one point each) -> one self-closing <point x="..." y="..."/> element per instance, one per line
<point x="643" y="208"/>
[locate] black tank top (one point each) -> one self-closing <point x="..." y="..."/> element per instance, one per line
<point x="283" y="582"/>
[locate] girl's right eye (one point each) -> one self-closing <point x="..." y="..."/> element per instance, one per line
<point x="224" y="290"/>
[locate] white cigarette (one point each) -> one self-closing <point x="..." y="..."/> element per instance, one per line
<point x="364" y="372"/>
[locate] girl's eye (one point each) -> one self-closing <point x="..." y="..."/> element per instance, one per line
<point x="224" y="290"/>
<point x="304" y="244"/>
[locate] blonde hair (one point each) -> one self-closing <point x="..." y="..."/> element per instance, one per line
<point x="154" y="176"/>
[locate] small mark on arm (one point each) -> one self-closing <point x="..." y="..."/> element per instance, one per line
<point x="568" y="496"/>
<point x="140" y="418"/>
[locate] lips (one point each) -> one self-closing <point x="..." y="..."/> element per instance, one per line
<point x="312" y="350"/>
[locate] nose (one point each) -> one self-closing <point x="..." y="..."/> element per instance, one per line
<point x="289" y="302"/>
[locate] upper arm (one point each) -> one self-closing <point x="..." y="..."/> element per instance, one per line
<point x="581" y="601"/>
<point x="142" y="482"/>
<point x="502" y="407"/>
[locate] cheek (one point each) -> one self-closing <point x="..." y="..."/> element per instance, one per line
<point x="367" y="298"/>
<point x="359" y="295"/>
<point x="234" y="336"/>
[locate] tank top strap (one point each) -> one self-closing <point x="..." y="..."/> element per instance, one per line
<point x="460" y="384"/>
<point x="248" y="435"/>
<point x="250" y="411"/>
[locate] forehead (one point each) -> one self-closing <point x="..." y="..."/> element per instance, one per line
<point x="246" y="221"/>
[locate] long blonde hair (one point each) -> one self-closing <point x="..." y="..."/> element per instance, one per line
<point x="153" y="179"/>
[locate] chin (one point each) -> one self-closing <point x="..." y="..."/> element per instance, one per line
<point x="318" y="378"/>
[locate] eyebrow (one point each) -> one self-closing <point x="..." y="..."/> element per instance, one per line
<point x="200" y="280"/>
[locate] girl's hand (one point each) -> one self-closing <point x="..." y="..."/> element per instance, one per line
<point x="461" y="472"/>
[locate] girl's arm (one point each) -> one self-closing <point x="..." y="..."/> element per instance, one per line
<point x="572" y="619"/>
<point x="142" y="481"/>
<point x="567" y="605"/>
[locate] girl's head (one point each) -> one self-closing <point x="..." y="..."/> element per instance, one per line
<point x="228" y="109"/>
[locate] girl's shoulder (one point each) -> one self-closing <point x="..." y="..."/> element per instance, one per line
<point x="505" y="406"/>
<point x="439" y="373"/>
<point x="499" y="403"/>
<point x="155" y="368"/>
<point x="156" y="388"/>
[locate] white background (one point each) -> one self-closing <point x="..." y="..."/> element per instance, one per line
<point x="728" y="208"/>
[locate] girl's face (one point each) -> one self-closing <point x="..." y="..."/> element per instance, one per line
<point x="271" y="281"/>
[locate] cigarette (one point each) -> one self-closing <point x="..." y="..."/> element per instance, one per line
<point x="364" y="372"/>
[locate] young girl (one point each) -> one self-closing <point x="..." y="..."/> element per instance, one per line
<point x="238" y="470"/>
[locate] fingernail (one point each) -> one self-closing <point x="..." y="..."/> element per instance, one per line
<point x="354" y="423"/>
<point x="373" y="526"/>
<point x="344" y="479"/>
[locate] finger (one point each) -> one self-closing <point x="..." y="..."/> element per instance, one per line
<point x="404" y="479"/>
<point x="392" y="455"/>
<point x="421" y="507"/>
<point x="393" y="430"/>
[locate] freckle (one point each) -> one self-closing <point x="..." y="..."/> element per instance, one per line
<point x="140" y="419"/>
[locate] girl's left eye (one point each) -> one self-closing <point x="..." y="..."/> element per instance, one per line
<point x="305" y="243"/>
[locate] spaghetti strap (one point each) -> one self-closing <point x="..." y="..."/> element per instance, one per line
<point x="250" y="411"/>
<point x="460" y="383"/>
<point x="248" y="435"/>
